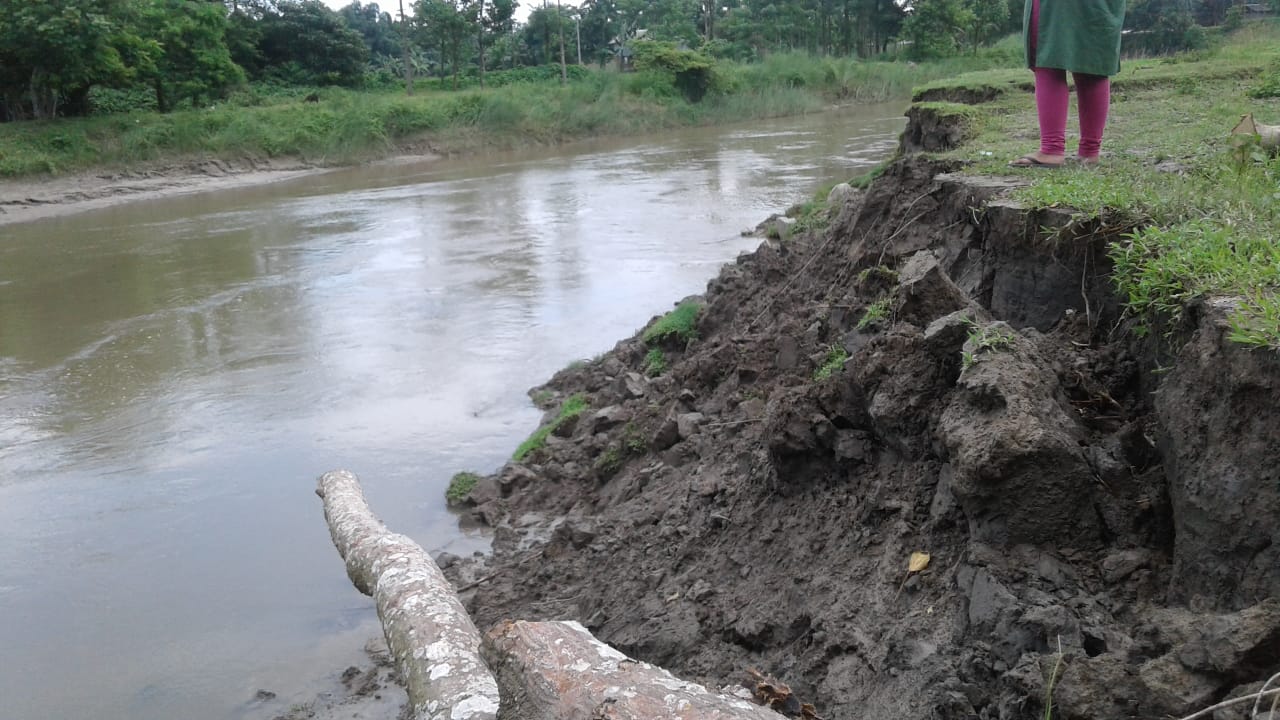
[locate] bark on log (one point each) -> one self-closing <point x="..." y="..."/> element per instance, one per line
<point x="1268" y="135"/>
<point x="559" y="671"/>
<point x="432" y="639"/>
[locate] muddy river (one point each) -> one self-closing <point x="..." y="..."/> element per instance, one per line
<point x="175" y="373"/>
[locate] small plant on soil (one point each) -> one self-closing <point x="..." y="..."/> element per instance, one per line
<point x="655" y="362"/>
<point x="1053" y="680"/>
<point x="1258" y="322"/>
<point x="876" y="311"/>
<point x="681" y="323"/>
<point x="572" y="407"/>
<point x="862" y="182"/>
<point x="836" y="355"/>
<point x="461" y="484"/>
<point x="880" y="271"/>
<point x="541" y="398"/>
<point x="610" y="462"/>
<point x="812" y="217"/>
<point x="633" y="440"/>
<point x="985" y="340"/>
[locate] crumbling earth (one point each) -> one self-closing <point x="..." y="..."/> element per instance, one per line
<point x="1097" y="506"/>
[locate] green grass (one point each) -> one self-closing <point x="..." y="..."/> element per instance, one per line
<point x="1206" y="207"/>
<point x="680" y="324"/>
<point x="633" y="440"/>
<point x="984" y="339"/>
<point x="572" y="407"/>
<point x="459" y="485"/>
<point x="812" y="216"/>
<point x="609" y="462"/>
<point x="836" y="355"/>
<point x="875" y="312"/>
<point x="655" y="362"/>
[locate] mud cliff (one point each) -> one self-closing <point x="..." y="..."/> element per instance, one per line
<point x="940" y="370"/>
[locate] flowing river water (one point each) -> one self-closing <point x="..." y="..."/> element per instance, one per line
<point x="175" y="373"/>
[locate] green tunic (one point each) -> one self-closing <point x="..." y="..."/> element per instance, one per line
<point x="1078" y="35"/>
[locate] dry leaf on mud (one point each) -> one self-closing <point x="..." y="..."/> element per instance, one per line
<point x="777" y="696"/>
<point x="919" y="561"/>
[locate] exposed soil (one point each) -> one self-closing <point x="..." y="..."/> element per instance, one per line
<point x="1091" y="502"/>
<point x="373" y="691"/>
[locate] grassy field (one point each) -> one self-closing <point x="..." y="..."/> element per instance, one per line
<point x="1208" y="203"/>
<point x="349" y="126"/>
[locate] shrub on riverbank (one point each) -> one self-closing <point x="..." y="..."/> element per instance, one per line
<point x="265" y="121"/>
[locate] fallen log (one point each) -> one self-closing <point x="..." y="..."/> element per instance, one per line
<point x="1268" y="135"/>
<point x="559" y="671"/>
<point x="432" y="639"/>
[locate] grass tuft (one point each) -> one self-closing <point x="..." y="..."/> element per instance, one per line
<point x="875" y="312"/>
<point x="655" y="362"/>
<point x="460" y="485"/>
<point x="1159" y="271"/>
<point x="681" y="324"/>
<point x="836" y="355"/>
<point x="985" y="339"/>
<point x="572" y="407"/>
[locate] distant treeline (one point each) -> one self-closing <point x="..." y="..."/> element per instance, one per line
<point x="167" y="54"/>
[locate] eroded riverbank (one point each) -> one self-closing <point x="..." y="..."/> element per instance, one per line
<point x="176" y="372"/>
<point x="936" y="372"/>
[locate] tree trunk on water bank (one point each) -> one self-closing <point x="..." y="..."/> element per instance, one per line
<point x="546" y="670"/>
<point x="431" y="637"/>
<point x="559" y="671"/>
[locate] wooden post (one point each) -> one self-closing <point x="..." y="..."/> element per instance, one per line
<point x="432" y="639"/>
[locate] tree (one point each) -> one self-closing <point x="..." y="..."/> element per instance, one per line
<point x="498" y="20"/>
<point x="194" y="62"/>
<point x="935" y="27"/>
<point x="305" y="42"/>
<point x="990" y="19"/>
<point x="376" y="26"/>
<point x="445" y="23"/>
<point x="52" y="53"/>
<point x="1163" y="26"/>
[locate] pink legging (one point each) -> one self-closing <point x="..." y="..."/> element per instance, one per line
<point x="1093" y="95"/>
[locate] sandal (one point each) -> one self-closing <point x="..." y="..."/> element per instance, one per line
<point x="1031" y="161"/>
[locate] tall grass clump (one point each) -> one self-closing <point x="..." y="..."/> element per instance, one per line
<point x="1160" y="271"/>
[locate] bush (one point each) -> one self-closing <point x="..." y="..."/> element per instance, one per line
<point x="108" y="101"/>
<point x="690" y="72"/>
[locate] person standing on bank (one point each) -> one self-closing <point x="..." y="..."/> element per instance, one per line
<point x="1082" y="36"/>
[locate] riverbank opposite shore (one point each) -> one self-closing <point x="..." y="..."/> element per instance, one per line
<point x="31" y="199"/>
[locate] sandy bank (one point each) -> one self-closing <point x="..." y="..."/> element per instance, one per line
<point x="29" y="199"/>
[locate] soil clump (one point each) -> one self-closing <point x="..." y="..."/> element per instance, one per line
<point x="938" y="370"/>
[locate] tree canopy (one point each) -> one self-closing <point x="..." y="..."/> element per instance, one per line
<point x="188" y="53"/>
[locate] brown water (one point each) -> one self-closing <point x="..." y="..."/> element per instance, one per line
<point x="175" y="374"/>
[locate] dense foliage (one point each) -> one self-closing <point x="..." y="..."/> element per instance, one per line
<point x="74" y="57"/>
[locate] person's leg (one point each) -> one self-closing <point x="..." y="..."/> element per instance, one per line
<point x="1093" y="95"/>
<point x="1052" y="98"/>
<point x="1051" y="105"/>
